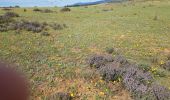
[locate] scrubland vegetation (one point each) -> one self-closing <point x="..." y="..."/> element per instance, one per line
<point x="110" y="51"/>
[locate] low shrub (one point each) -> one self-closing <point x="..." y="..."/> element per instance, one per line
<point x="167" y="65"/>
<point x="109" y="50"/>
<point x="25" y="25"/>
<point x="120" y="59"/>
<point x="25" y="10"/>
<point x="110" y="72"/>
<point x="11" y="14"/>
<point x="65" y="9"/>
<point x="98" y="61"/>
<point x="57" y="26"/>
<point x="45" y="34"/>
<point x="37" y="9"/>
<point x="160" y="92"/>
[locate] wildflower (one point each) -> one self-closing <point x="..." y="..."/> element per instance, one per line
<point x="72" y="95"/>
<point x="101" y="93"/>
<point x="162" y="62"/>
<point x="101" y="81"/>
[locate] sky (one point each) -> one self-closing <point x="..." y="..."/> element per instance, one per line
<point x="31" y="3"/>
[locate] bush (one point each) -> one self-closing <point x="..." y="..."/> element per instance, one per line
<point x="159" y="92"/>
<point x="4" y="20"/>
<point x="45" y="34"/>
<point x="120" y="59"/>
<point x="26" y="25"/>
<point x="65" y="9"/>
<point x="57" y="26"/>
<point x="109" y="50"/>
<point x="25" y="10"/>
<point x="167" y="65"/>
<point x="11" y="14"/>
<point x="37" y="9"/>
<point x="98" y="61"/>
<point x="110" y="72"/>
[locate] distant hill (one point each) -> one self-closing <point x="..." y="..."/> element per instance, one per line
<point x="94" y="3"/>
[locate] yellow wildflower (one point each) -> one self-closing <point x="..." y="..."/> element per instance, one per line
<point x="72" y="95"/>
<point x="162" y="62"/>
<point x="101" y="93"/>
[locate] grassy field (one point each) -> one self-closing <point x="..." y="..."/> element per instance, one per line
<point x="140" y="31"/>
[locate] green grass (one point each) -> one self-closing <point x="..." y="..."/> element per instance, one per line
<point x="52" y="62"/>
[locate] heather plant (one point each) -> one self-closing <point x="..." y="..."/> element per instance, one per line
<point x="120" y="59"/>
<point x="56" y="26"/>
<point x="5" y="19"/>
<point x="11" y="14"/>
<point x="45" y="34"/>
<point x="98" y="61"/>
<point x="28" y="26"/>
<point x="111" y="72"/>
<point x="160" y="92"/>
<point x="167" y="65"/>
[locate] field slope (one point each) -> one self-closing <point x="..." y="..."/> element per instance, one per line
<point x="139" y="31"/>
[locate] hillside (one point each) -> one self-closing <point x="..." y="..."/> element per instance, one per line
<point x="54" y="58"/>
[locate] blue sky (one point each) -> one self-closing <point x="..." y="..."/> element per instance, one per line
<point x="29" y="3"/>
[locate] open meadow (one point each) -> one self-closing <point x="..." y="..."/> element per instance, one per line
<point x="54" y="59"/>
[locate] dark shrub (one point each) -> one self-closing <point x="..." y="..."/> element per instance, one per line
<point x="111" y="72"/>
<point x="11" y="14"/>
<point x="28" y="26"/>
<point x="3" y="28"/>
<point x="98" y="61"/>
<point x="65" y="9"/>
<point x="45" y="23"/>
<point x="137" y="74"/>
<point x="45" y="34"/>
<point x="25" y="10"/>
<point x="155" y="18"/>
<point x="144" y="67"/>
<point x="60" y="96"/>
<point x="33" y="26"/>
<point x="120" y="59"/>
<point x="56" y="26"/>
<point x="4" y="19"/>
<point x="109" y="50"/>
<point x="37" y="9"/>
<point x="64" y="25"/>
<point x="167" y="65"/>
